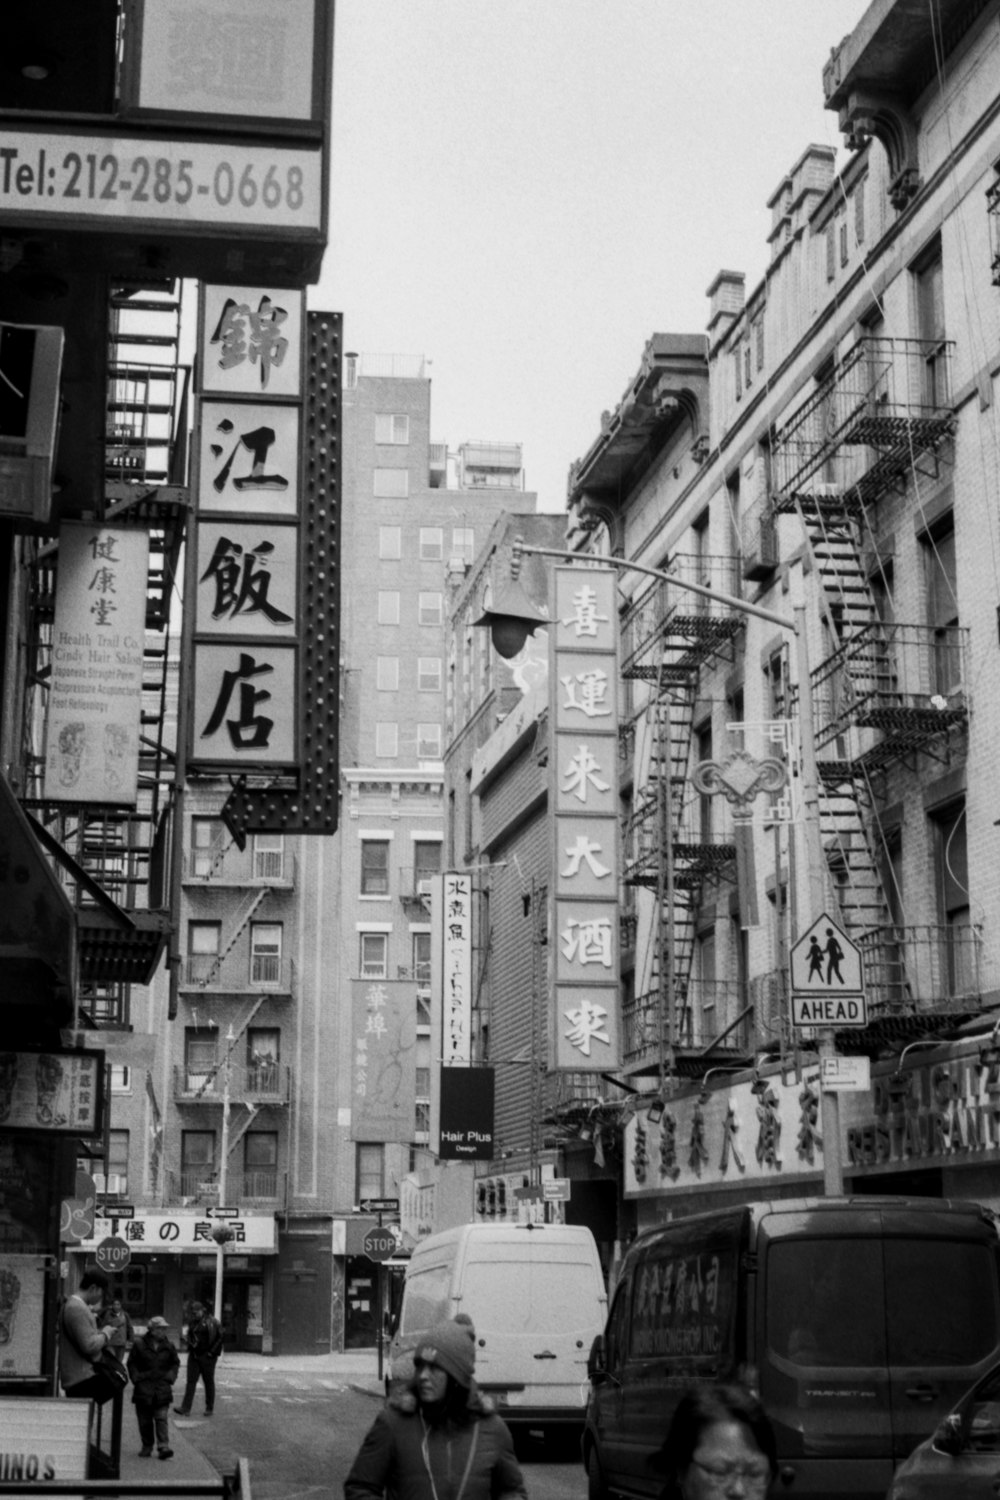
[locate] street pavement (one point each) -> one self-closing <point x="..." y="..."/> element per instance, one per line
<point x="356" y="1368"/>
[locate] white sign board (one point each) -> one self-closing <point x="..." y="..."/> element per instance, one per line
<point x="845" y="1075"/>
<point x="827" y="979"/>
<point x="556" y="1190"/>
<point x="42" y="1439"/>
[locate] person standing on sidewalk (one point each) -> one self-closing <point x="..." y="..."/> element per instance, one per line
<point x="80" y="1339"/>
<point x="123" y="1335"/>
<point x="204" y="1341"/>
<point x="153" y="1366"/>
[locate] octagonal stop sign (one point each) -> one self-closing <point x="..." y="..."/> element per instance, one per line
<point x="379" y="1244"/>
<point x="113" y="1254"/>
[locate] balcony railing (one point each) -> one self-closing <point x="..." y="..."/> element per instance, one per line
<point x="699" y="849"/>
<point x="240" y="974"/>
<point x="254" y="1083"/>
<point x="416" y="884"/>
<point x="892" y="396"/>
<point x="906" y="683"/>
<point x="691" y="625"/>
<point x="714" y="1017"/>
<point x="227" y="865"/>
<point x="266" y="1186"/>
<point x="913" y="969"/>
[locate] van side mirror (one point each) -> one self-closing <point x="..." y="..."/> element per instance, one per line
<point x="597" y="1367"/>
<point x="948" y="1435"/>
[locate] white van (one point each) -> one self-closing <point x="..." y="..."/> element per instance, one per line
<point x="536" y="1297"/>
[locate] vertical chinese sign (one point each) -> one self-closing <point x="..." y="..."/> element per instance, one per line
<point x="384" y="1106"/>
<point x="265" y="566"/>
<point x="95" y="696"/>
<point x="583" y="771"/>
<point x="461" y="1115"/>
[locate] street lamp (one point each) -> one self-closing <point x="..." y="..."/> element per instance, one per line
<point x="515" y="618"/>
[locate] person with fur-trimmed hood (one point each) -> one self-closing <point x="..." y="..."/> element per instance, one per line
<point x="439" y="1441"/>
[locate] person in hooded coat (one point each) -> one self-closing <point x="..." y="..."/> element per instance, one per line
<point x="438" y="1441"/>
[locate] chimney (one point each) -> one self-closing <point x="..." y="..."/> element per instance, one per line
<point x="726" y="295"/>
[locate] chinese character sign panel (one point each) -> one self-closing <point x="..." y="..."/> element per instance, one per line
<point x="583" y="772"/>
<point x="244" y="576"/>
<point x="95" y="697"/>
<point x="384" y="1061"/>
<point x="456" y="975"/>
<point x="51" y="1091"/>
<point x="251" y="339"/>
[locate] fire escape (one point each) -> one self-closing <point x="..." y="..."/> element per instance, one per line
<point x="113" y="860"/>
<point x="240" y="882"/>
<point x="887" y="693"/>
<point x="669" y="637"/>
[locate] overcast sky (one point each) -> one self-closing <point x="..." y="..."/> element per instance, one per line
<point x="524" y="191"/>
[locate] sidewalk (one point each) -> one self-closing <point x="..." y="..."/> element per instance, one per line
<point x="187" y="1462"/>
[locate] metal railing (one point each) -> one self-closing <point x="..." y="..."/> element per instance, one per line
<point x="259" y="1082"/>
<point x="891" y="395"/>
<point x="238" y="974"/>
<point x="714" y="1016"/>
<point x="911" y="969"/>
<point x="244" y="1187"/>
<point x="231" y="866"/>
<point x="662" y="611"/>
<point x="902" y="680"/>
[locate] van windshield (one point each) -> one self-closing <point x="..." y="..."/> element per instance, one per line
<point x="536" y="1297"/>
<point x="873" y="1303"/>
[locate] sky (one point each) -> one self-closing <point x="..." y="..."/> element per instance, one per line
<point x="524" y="191"/>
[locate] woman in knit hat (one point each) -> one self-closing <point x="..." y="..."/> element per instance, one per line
<point x="449" y="1446"/>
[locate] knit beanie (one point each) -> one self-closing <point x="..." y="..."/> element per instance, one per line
<point x="448" y="1345"/>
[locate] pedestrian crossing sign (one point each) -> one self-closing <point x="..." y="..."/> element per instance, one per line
<point x="827" y="981"/>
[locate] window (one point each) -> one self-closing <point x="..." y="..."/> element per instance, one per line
<point x="197" y="1161"/>
<point x="426" y="858"/>
<point x="428" y="741"/>
<point x="774" y="673"/>
<point x="951" y="860"/>
<point x="200" y="1055"/>
<point x="265" y="952"/>
<point x="203" y="950"/>
<point x="831" y="250"/>
<point x="374" y="955"/>
<point x="388" y="606"/>
<point x="387" y="674"/>
<point x="207" y="837"/>
<point x="859" y="212"/>
<point x="121" y="1078"/>
<point x="703" y="751"/>
<point x="463" y="542"/>
<point x="738" y="367"/>
<point x="931" y="326"/>
<point x="842" y="235"/>
<point x="429" y="674"/>
<point x="941" y="582"/>
<point x="392" y="484"/>
<point x="111" y="1176"/>
<point x="260" y="1164"/>
<point x="263" y="1057"/>
<point x="268" y="856"/>
<point x="369" y="1172"/>
<point x="390" y="543"/>
<point x="429" y="610"/>
<point x="392" y="427"/>
<point x="374" y="867"/>
<point x="431" y="543"/>
<point x="705" y="971"/>
<point x="386" y="739"/>
<point x="422" y="973"/>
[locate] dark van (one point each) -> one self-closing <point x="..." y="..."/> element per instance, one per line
<point x="860" y="1321"/>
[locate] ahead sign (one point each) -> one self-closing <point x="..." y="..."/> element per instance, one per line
<point x="827" y="978"/>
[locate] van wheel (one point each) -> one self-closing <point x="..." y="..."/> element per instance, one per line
<point x="597" y="1489"/>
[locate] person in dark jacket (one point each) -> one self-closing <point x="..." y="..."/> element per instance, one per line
<point x="442" y="1443"/>
<point x="153" y="1365"/>
<point x="204" y="1341"/>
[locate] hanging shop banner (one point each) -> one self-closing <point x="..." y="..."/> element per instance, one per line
<point x="95" y="692"/>
<point x="247" y="578"/>
<point x="455" y="918"/>
<point x="244" y="703"/>
<point x="583" y="798"/>
<point x="248" y="458"/>
<point x="384" y="1061"/>
<point x="22" y="1315"/>
<point x="466" y="1129"/>
<point x="254" y="59"/>
<point x="184" y="1233"/>
<point x="52" y="1091"/>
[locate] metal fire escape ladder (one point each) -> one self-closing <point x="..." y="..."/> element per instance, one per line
<point x="240" y="924"/>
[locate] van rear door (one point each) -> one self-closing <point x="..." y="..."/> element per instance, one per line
<point x="536" y="1316"/>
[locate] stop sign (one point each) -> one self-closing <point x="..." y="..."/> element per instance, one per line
<point x="379" y="1244"/>
<point x="113" y="1254"/>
